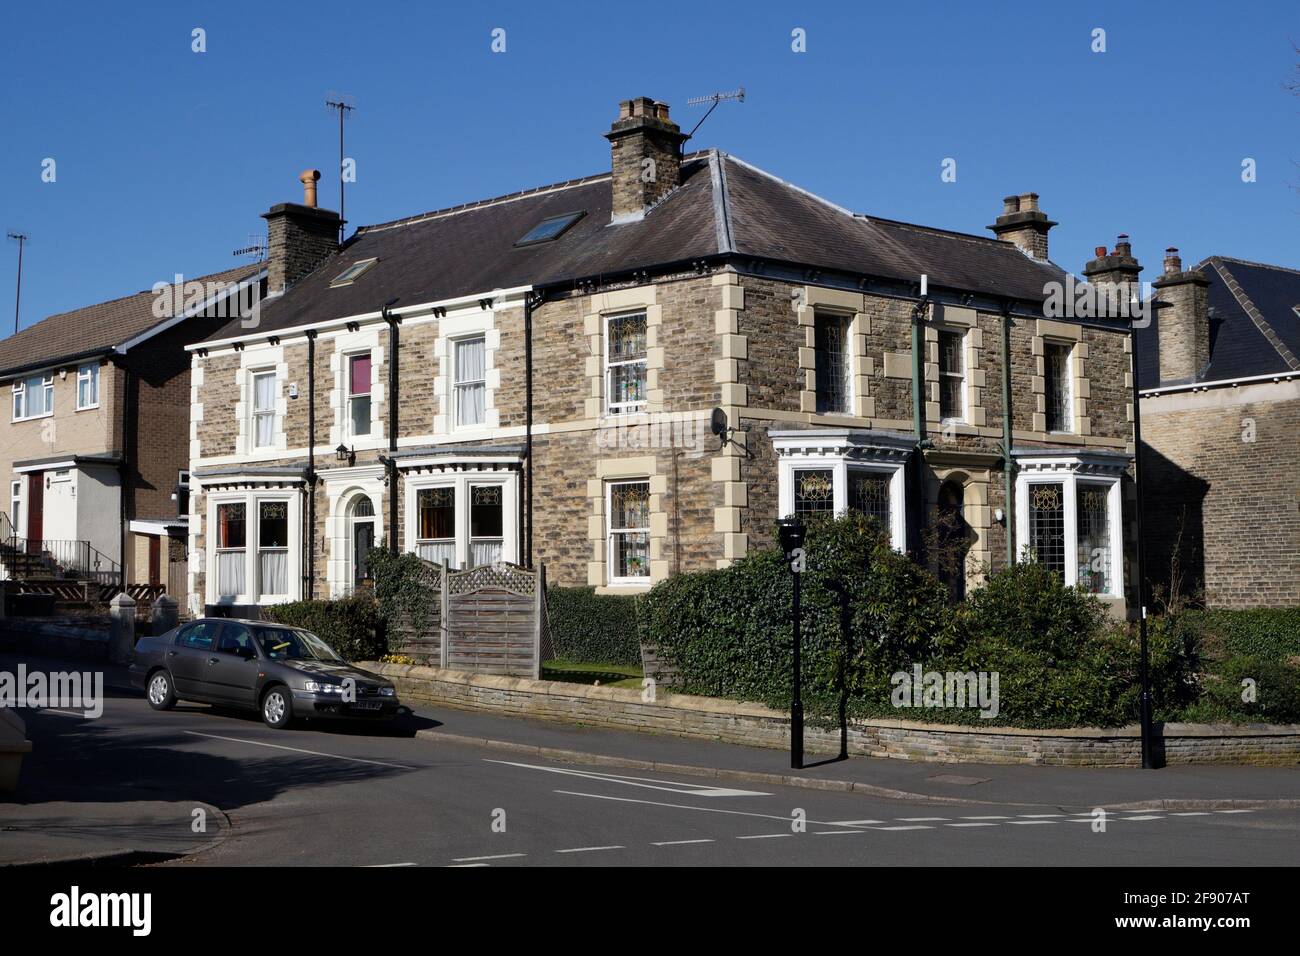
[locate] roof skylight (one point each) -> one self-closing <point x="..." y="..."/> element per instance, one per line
<point x="352" y="272"/>
<point x="549" y="229"/>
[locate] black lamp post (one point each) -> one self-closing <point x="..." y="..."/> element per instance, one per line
<point x="1144" y="715"/>
<point x="792" y="536"/>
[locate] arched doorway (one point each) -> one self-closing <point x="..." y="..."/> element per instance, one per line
<point x="361" y="535"/>
<point x="951" y="538"/>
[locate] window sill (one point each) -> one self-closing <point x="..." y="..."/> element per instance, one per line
<point x="87" y="408"/>
<point x="627" y="587"/>
<point x="32" y="418"/>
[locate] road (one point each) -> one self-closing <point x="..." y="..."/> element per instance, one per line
<point x="378" y="796"/>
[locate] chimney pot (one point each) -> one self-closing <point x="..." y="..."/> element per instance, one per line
<point x="1010" y="204"/>
<point x="1029" y="202"/>
<point x="1023" y="224"/>
<point x="309" y="179"/>
<point x="1173" y="262"/>
<point x="1099" y="252"/>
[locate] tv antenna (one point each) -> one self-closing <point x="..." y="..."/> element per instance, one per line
<point x="256" y="248"/>
<point x="713" y="99"/>
<point x="22" y="239"/>
<point x="342" y="104"/>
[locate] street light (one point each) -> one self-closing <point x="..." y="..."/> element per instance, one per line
<point x="791" y="532"/>
<point x="1144" y="711"/>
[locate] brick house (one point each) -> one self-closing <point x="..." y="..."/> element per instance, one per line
<point x="531" y="378"/>
<point x="95" y="448"/>
<point x="1220" y="377"/>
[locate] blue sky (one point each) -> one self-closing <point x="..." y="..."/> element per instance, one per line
<point x="166" y="157"/>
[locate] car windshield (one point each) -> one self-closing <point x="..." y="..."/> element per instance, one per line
<point x="289" y="644"/>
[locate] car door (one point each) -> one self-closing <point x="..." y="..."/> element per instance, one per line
<point x="188" y="657"/>
<point x="231" y="673"/>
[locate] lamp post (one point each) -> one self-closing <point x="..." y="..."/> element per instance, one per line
<point x="1144" y="713"/>
<point x="792" y="536"/>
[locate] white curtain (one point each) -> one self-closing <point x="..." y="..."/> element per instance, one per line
<point x="484" y="552"/>
<point x="264" y="409"/>
<point x="437" y="551"/>
<point x="230" y="573"/>
<point x="273" y="571"/>
<point x="470" y="368"/>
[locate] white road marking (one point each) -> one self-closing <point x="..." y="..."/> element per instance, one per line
<point x="65" y="713"/>
<point x="1028" y="823"/>
<point x="475" y="859"/>
<point x="457" y="866"/>
<point x="764" y="836"/>
<point x="679" y="842"/>
<point x="1150" y="817"/>
<point x="687" y="806"/>
<point x="986" y="818"/>
<point x="904" y="828"/>
<point x="1192" y="813"/>
<point x="380" y="866"/>
<point x="1035" y="816"/>
<point x="299" y="750"/>
<point x="590" y="849"/>
<point x="695" y="790"/>
<point x="970" y="824"/>
<point x="836" y="832"/>
<point x="921" y="819"/>
<point x="855" y="823"/>
<point x="1234" y="811"/>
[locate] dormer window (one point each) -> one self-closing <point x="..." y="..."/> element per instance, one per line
<point x="549" y="229"/>
<point x="352" y="272"/>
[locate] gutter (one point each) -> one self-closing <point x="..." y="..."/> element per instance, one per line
<point x="1274" y="377"/>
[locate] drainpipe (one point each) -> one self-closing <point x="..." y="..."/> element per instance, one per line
<point x="919" y="313"/>
<point x="128" y="383"/>
<point x="311" y="464"/>
<point x="1008" y="463"/>
<point x="531" y="300"/>
<point x="393" y="352"/>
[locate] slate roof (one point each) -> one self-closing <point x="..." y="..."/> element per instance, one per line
<point x="722" y="207"/>
<point x="1241" y="344"/>
<point x="94" y="329"/>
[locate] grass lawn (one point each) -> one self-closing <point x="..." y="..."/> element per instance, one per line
<point x="581" y="672"/>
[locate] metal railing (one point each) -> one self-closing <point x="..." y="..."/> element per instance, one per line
<point x="75" y="559"/>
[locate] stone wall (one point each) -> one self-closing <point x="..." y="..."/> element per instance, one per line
<point x="754" y="725"/>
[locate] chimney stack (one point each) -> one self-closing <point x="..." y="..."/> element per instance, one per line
<point x="299" y="237"/>
<point x="1024" y="224"/>
<point x="646" y="156"/>
<point x="1183" y="322"/>
<point x="1117" y="268"/>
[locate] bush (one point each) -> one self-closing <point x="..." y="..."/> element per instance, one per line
<point x="587" y="627"/>
<point x="1277" y="692"/>
<point x="1268" y="633"/>
<point x="351" y="625"/>
<point x="404" y="590"/>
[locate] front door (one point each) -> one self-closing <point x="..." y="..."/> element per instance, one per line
<point x="363" y="539"/>
<point x="35" y="510"/>
<point x="155" y="561"/>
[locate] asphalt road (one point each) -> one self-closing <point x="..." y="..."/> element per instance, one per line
<point x="377" y="796"/>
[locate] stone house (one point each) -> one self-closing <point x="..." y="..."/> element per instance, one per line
<point x="95" y="449"/>
<point x="531" y="378"/>
<point x="1220" y="376"/>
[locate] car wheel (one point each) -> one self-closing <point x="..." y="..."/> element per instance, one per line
<point x="160" y="692"/>
<point x="277" y="707"/>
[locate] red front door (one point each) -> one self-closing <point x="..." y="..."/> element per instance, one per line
<point x="35" y="509"/>
<point x="155" y="561"/>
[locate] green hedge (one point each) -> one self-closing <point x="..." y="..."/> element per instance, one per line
<point x="592" y="628"/>
<point x="869" y="613"/>
<point x="1268" y="633"/>
<point x="351" y="625"/>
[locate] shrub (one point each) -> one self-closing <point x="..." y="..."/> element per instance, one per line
<point x="404" y="590"/>
<point x="1277" y="687"/>
<point x="592" y="628"/>
<point x="1269" y="633"/>
<point x="351" y="625"/>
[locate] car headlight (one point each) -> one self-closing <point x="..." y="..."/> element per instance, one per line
<point x="388" y="692"/>
<point x="315" y="687"/>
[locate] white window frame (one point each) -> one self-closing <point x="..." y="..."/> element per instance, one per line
<point x="1069" y="403"/>
<point x="508" y="480"/>
<point x="839" y="466"/>
<point x="254" y="412"/>
<point x="252" y="501"/>
<point x="17" y="509"/>
<point x="88" y="372"/>
<point x="20" y="392"/>
<point x="850" y="363"/>
<point x="1069" y="475"/>
<point x="349" y="395"/>
<point x="963" y="413"/>
<point x="611" y="578"/>
<point x="625" y="408"/>
<point x="458" y="386"/>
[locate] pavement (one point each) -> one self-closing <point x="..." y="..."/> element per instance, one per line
<point x="447" y="787"/>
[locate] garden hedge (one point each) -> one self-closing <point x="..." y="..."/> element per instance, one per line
<point x="350" y="625"/>
<point x="592" y="628"/>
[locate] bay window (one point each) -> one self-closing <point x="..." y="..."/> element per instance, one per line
<point x="273" y="548"/>
<point x="231" y="548"/>
<point x="1069" y="515"/>
<point x="436" y="536"/>
<point x="485" y="524"/>
<point x="255" y="547"/>
<point x="464" y="519"/>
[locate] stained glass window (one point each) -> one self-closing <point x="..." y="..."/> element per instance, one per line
<point x="629" y="529"/>
<point x="1056" y="385"/>
<point x="1047" y="525"/>
<point x="436" y="524"/>
<point x="1092" y="516"/>
<point x="626" y="362"/>
<point x="952" y="378"/>
<point x="833" y="367"/>
<point x="814" y="491"/>
<point x="869" y="494"/>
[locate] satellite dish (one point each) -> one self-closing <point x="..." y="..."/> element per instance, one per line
<point x="718" y="423"/>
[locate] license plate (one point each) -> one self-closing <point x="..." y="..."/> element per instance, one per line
<point x="366" y="705"/>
